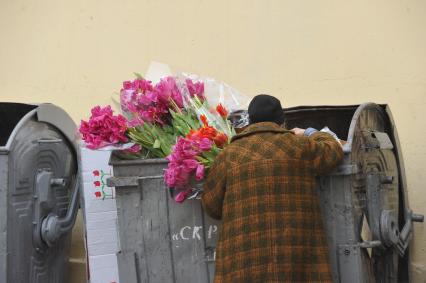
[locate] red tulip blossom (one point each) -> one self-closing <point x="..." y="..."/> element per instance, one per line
<point x="222" y="111"/>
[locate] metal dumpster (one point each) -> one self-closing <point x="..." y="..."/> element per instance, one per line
<point x="38" y="192"/>
<point x="364" y="203"/>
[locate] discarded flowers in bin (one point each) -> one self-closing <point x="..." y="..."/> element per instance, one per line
<point x="171" y="119"/>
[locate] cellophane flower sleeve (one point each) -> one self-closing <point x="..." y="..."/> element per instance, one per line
<point x="216" y="95"/>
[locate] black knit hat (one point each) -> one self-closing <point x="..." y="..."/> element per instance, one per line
<point x="265" y="108"/>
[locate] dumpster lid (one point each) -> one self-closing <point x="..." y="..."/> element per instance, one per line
<point x="14" y="115"/>
<point x="57" y="117"/>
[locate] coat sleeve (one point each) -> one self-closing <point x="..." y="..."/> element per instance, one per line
<point x="325" y="152"/>
<point x="215" y="187"/>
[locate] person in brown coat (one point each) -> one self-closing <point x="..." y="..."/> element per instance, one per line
<point x="262" y="187"/>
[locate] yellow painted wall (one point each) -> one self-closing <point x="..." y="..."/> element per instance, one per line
<point x="76" y="54"/>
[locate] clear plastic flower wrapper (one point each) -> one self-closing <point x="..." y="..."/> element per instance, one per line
<point x="182" y="118"/>
<point x="221" y="93"/>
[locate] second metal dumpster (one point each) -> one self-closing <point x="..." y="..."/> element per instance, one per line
<point x="364" y="202"/>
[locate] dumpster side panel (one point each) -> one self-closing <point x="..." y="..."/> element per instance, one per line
<point x="37" y="148"/>
<point x="37" y="164"/>
<point x="20" y="196"/>
<point x="3" y="216"/>
<point x="211" y="233"/>
<point x="155" y="255"/>
<point x="160" y="240"/>
<point x="187" y="240"/>
<point x="128" y="212"/>
<point x="145" y="254"/>
<point x="341" y="221"/>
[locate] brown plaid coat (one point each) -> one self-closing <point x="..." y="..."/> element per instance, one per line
<point x="262" y="186"/>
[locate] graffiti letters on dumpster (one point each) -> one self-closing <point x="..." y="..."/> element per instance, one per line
<point x="194" y="233"/>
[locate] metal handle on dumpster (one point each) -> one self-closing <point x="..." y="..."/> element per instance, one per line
<point x="407" y="230"/>
<point x="53" y="227"/>
<point x="129" y="181"/>
<point x="135" y="181"/>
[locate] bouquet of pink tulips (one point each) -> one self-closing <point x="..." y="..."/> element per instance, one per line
<point x="171" y="119"/>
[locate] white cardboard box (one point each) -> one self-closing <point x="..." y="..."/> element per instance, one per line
<point x="100" y="216"/>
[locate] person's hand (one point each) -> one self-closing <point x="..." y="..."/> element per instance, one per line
<point x="298" y="131"/>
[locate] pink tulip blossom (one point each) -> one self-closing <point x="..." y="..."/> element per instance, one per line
<point x="183" y="161"/>
<point x="181" y="196"/>
<point x="136" y="148"/>
<point x="166" y="90"/>
<point x="145" y="102"/>
<point x="103" y="128"/>
<point x="199" y="173"/>
<point x="205" y="144"/>
<point x="195" y="89"/>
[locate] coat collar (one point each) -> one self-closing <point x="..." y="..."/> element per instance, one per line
<point x="262" y="127"/>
